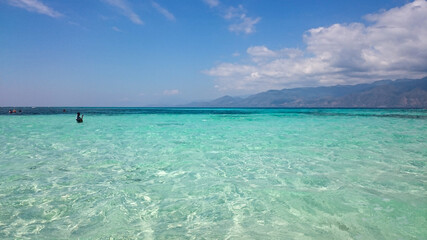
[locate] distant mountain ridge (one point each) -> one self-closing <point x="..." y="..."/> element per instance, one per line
<point x="404" y="93"/>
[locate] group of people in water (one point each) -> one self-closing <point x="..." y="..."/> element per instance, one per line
<point x="79" y="118"/>
<point x="14" y="111"/>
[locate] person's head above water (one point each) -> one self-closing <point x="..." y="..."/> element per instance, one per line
<point x="78" y="114"/>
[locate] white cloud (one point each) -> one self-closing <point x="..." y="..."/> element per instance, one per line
<point x="245" y="25"/>
<point x="261" y="51"/>
<point x="163" y="11"/>
<point x="234" y="12"/>
<point x="240" y="22"/>
<point x="393" y="45"/>
<point x="171" y="92"/>
<point x="35" y="6"/>
<point x="125" y="9"/>
<point x="212" y="3"/>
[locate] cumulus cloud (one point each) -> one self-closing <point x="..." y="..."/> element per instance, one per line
<point x="261" y="51"/>
<point x="163" y="11"/>
<point x="393" y="45"/>
<point x="171" y="92"/>
<point x="35" y="6"/>
<point x="240" y="22"/>
<point x="125" y="9"/>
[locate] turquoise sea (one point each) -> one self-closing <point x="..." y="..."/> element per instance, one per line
<point x="173" y="173"/>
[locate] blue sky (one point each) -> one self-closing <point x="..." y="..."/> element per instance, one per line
<point x="165" y="52"/>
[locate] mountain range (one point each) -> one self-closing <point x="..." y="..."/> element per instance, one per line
<point x="404" y="93"/>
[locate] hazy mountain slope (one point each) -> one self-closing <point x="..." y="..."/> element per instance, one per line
<point x="404" y="93"/>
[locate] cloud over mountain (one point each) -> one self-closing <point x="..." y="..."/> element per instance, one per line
<point x="392" y="45"/>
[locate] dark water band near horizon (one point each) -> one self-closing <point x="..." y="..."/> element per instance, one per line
<point x="196" y="173"/>
<point x="367" y="112"/>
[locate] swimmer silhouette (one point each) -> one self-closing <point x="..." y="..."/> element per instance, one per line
<point x="79" y="119"/>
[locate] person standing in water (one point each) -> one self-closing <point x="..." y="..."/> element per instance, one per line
<point x="79" y="119"/>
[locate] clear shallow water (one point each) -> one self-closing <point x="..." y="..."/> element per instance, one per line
<point x="213" y="174"/>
